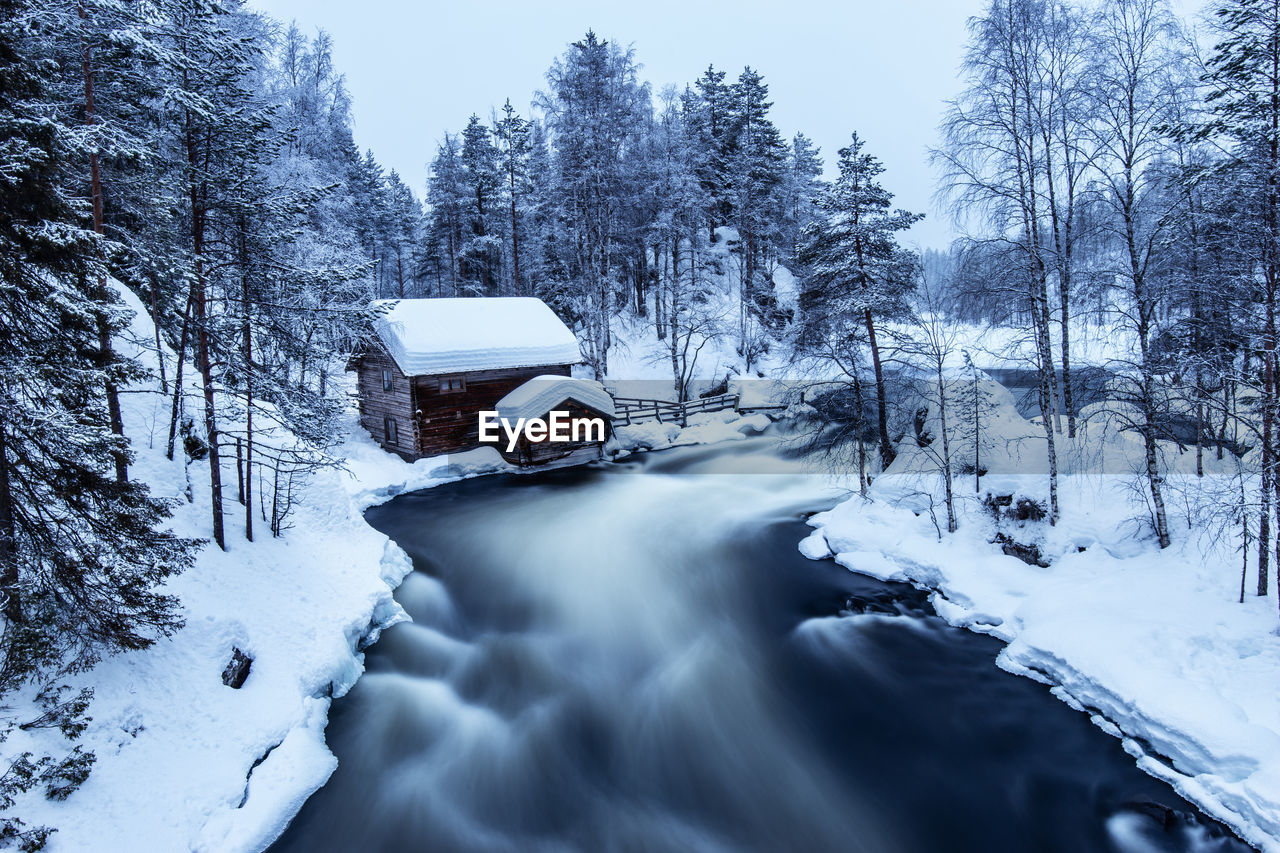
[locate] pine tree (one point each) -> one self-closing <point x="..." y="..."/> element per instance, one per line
<point x="756" y="171"/>
<point x="80" y="556"/>
<point x="801" y="187"/>
<point x="595" y="109"/>
<point x="404" y="219"/>
<point x="220" y="128"/>
<point x="447" y="198"/>
<point x="512" y="133"/>
<point x="482" y="183"/>
<point x="708" y="115"/>
<point x="857" y="272"/>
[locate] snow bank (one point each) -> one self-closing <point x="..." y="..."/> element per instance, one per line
<point x="703" y="428"/>
<point x="1152" y="644"/>
<point x="185" y="762"/>
<point x="432" y="336"/>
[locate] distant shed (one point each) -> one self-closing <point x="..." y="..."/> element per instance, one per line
<point x="437" y="363"/>
<point x="583" y="403"/>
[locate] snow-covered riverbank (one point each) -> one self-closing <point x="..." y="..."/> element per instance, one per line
<point x="183" y="761"/>
<point x="1153" y="644"/>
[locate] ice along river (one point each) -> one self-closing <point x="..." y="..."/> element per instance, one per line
<point x="636" y="657"/>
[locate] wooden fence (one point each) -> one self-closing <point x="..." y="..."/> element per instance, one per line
<point x="630" y="410"/>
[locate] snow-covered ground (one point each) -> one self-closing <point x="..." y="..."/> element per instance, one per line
<point x="1153" y="644"/>
<point x="703" y="428"/>
<point x="183" y="761"/>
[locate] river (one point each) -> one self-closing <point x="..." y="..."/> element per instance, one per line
<point x="636" y="657"/>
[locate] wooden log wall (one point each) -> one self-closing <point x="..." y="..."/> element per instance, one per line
<point x="448" y="421"/>
<point x="376" y="404"/>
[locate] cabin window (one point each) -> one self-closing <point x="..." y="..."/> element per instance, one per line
<point x="451" y="384"/>
<point x="389" y="424"/>
<point x="387" y="378"/>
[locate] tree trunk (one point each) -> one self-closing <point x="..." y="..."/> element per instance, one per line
<point x="247" y="342"/>
<point x="102" y="294"/>
<point x="1154" y="479"/>
<point x="1268" y="430"/>
<point x="1045" y="352"/>
<point x="155" y="325"/>
<point x="660" y="292"/>
<point x="977" y="437"/>
<point x="861" y="427"/>
<point x="177" y="374"/>
<point x="9" y="579"/>
<point x="210" y="415"/>
<point x="882" y="404"/>
<point x="946" y="451"/>
<point x="674" y="313"/>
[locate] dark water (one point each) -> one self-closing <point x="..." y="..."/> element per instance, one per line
<point x="638" y="658"/>
<point x="1089" y="385"/>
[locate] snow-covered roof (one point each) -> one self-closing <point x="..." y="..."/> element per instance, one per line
<point x="541" y="394"/>
<point x="433" y="336"/>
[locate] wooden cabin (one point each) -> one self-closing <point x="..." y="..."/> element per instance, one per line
<point x="584" y="404"/>
<point x="437" y="363"/>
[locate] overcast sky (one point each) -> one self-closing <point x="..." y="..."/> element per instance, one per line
<point x="884" y="68"/>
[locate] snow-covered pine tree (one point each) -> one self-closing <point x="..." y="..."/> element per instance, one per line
<point x="707" y="112"/>
<point x="482" y="184"/>
<point x="447" y="199"/>
<point x="797" y="200"/>
<point x="973" y="403"/>
<point x="857" y="272"/>
<point x="756" y="170"/>
<point x="216" y="130"/>
<point x="81" y="553"/>
<point x="512" y="134"/>
<point x="595" y="107"/>
<point x="404" y="226"/>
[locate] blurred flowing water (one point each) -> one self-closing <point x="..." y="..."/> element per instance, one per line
<point x="636" y="657"/>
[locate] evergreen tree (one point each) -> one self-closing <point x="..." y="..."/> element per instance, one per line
<point x="447" y="198"/>
<point x="595" y="108"/>
<point x="709" y="119"/>
<point x="857" y="272"/>
<point x="512" y="133"/>
<point x="80" y="555"/>
<point x="801" y="187"/>
<point x="756" y="171"/>
<point x="482" y="180"/>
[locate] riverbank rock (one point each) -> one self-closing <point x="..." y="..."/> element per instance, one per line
<point x="237" y="669"/>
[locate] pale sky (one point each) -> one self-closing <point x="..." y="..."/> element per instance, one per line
<point x="883" y="68"/>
